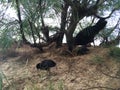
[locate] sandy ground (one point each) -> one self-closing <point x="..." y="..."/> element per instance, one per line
<point x="71" y="72"/>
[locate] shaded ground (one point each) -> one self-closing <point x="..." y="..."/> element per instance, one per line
<point x="93" y="71"/>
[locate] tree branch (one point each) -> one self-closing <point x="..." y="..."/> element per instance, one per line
<point x="98" y="87"/>
<point x="107" y="16"/>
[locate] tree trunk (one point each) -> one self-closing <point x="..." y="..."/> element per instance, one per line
<point x="20" y="22"/>
<point x="74" y="19"/>
<point x="44" y="28"/>
<point x="38" y="34"/>
<point x="31" y="28"/>
<point x="63" y="25"/>
<point x="69" y="35"/>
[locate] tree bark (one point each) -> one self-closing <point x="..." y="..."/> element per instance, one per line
<point x="63" y="24"/>
<point x="69" y="36"/>
<point x="31" y="28"/>
<point x="20" y="21"/>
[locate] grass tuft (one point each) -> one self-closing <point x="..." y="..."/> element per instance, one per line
<point x="1" y="81"/>
<point x="97" y="60"/>
<point x="115" y="53"/>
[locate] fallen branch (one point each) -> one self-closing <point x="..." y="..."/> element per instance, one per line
<point x="100" y="88"/>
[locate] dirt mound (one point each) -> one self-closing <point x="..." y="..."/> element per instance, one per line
<point x="95" y="71"/>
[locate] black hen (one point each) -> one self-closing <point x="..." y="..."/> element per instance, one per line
<point x="87" y="35"/>
<point x="46" y="64"/>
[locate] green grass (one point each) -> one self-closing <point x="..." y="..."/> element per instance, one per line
<point x="31" y="85"/>
<point x="3" y="77"/>
<point x="114" y="52"/>
<point x="60" y="85"/>
<point x="1" y="81"/>
<point x="51" y="85"/>
<point x="97" y="60"/>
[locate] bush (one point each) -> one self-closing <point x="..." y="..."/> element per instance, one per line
<point x="115" y="53"/>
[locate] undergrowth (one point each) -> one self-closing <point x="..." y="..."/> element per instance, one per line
<point x="50" y="85"/>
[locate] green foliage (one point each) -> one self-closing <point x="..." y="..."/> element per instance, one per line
<point x="115" y="53"/>
<point x="109" y="5"/>
<point x="5" y="40"/>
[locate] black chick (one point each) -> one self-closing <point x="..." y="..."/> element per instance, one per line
<point x="46" y="64"/>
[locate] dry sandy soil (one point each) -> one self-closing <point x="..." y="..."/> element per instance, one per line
<point x="93" y="71"/>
